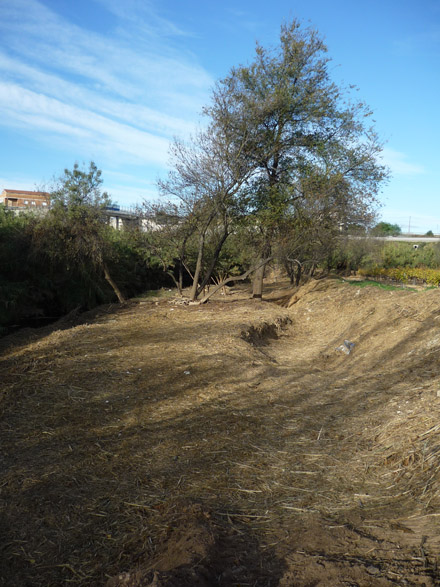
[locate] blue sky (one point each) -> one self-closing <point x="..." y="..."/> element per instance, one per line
<point x="114" y="81"/>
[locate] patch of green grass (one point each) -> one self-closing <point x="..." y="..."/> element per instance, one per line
<point x="371" y="283"/>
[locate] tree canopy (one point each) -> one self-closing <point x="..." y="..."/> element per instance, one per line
<point x="386" y="229"/>
<point x="75" y="227"/>
<point x="284" y="146"/>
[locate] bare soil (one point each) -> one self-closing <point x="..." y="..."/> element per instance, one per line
<point x="235" y="443"/>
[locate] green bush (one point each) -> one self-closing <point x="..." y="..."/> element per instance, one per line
<point x="386" y="229"/>
<point x="35" y="284"/>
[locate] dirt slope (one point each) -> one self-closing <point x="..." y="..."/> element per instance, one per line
<point x="226" y="444"/>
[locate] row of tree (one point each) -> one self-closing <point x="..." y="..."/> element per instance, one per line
<point x="284" y="165"/>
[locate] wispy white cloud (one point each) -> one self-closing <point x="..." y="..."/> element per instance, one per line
<point x="26" y="108"/>
<point x="136" y="114"/>
<point x="144" y="67"/>
<point x="122" y="99"/>
<point x="399" y="164"/>
<point x="142" y="15"/>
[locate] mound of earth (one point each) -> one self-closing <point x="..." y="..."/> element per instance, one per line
<point x="293" y="441"/>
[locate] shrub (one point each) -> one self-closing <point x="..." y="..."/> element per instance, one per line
<point x="404" y="274"/>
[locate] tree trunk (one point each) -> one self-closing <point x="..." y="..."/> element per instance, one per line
<point x="298" y="274"/>
<point x="113" y="285"/>
<point x="257" y="288"/>
<point x="232" y="279"/>
<point x="182" y="264"/>
<point x="180" y="278"/>
<point x="194" y="293"/>
<point x="211" y="267"/>
<point x="175" y="281"/>
<point x="288" y="268"/>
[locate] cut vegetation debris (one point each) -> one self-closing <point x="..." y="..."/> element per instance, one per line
<point x="275" y="462"/>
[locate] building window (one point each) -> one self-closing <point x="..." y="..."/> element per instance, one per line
<point x="33" y="203"/>
<point x="44" y="203"/>
<point x="26" y="202"/>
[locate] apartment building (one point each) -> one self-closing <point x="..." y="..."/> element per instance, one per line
<point x="19" y="199"/>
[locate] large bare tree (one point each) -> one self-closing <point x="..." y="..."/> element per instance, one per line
<point x="208" y="178"/>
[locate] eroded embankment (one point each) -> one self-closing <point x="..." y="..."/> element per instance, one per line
<point x="155" y="445"/>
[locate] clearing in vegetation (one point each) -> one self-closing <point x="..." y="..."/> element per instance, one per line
<point x="227" y="444"/>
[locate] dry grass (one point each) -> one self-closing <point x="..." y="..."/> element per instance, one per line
<point x="236" y="422"/>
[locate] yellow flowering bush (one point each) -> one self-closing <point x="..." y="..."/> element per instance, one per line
<point x="404" y="274"/>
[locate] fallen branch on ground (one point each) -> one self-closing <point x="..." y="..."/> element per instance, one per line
<point x="234" y="278"/>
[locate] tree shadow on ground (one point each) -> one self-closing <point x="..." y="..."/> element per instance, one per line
<point x="182" y="479"/>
